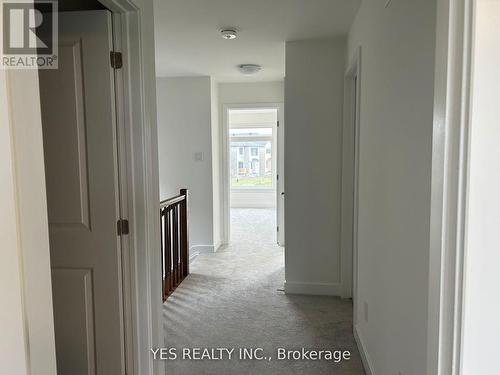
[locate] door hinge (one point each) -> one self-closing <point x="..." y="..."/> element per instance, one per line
<point x="277" y="177"/>
<point x="277" y="229"/>
<point x="116" y="59"/>
<point x="122" y="227"/>
<point x="278" y="124"/>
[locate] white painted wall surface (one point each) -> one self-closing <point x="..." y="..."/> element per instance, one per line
<point x="482" y="279"/>
<point x="313" y="160"/>
<point x="184" y="129"/>
<point x="32" y="225"/>
<point x="397" y="79"/>
<point x="26" y="318"/>
<point x="251" y="92"/>
<point x="216" y="163"/>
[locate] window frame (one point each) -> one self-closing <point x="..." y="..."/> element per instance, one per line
<point x="267" y="138"/>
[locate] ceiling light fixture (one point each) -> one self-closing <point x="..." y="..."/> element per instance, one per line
<point x="229" y="33"/>
<point x="249" y="68"/>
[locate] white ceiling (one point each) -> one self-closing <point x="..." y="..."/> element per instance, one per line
<point x="188" y="41"/>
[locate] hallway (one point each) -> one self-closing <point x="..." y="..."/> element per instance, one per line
<point x="231" y="300"/>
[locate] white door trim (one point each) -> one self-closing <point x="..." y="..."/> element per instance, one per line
<point x="449" y="185"/>
<point x="350" y="177"/>
<point x="280" y="178"/>
<point x="123" y="150"/>
<point x="140" y="196"/>
<point x="225" y="182"/>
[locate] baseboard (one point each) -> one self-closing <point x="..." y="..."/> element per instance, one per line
<point x="202" y="248"/>
<point x="320" y="289"/>
<point x="365" y="358"/>
<point x="195" y="250"/>
<point x="193" y="255"/>
<point x="217" y="245"/>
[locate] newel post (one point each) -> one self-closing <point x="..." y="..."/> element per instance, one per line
<point x="184" y="233"/>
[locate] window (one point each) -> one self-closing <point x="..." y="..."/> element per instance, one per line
<point x="251" y="169"/>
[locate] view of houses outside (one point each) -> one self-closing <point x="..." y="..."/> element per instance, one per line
<point x="251" y="158"/>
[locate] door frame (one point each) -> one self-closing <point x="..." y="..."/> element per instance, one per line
<point x="350" y="180"/>
<point x="142" y="284"/>
<point x="225" y="160"/>
<point x="137" y="143"/>
<point x="450" y="145"/>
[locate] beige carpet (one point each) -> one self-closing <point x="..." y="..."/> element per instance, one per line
<point x="231" y="299"/>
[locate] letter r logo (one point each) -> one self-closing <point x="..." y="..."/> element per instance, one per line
<point x="28" y="28"/>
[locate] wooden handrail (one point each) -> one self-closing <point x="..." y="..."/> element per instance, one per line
<point x="171" y="201"/>
<point x="174" y="242"/>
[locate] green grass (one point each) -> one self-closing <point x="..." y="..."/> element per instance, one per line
<point x="252" y="181"/>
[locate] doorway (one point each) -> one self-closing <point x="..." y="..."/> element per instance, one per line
<point x="78" y="105"/>
<point x="88" y="107"/>
<point x="254" y="189"/>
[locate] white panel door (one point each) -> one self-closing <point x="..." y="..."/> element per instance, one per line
<point x="78" y="116"/>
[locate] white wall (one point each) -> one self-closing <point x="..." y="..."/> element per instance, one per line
<point x="397" y="79"/>
<point x="26" y="316"/>
<point x="184" y="129"/>
<point x="482" y="279"/>
<point x="313" y="160"/>
<point x="252" y="92"/>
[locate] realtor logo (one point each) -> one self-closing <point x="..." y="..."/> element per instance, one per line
<point x="29" y="35"/>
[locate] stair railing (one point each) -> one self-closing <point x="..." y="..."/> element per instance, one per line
<point x="174" y="242"/>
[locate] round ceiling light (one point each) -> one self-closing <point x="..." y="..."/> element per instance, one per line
<point x="229" y="33"/>
<point x="249" y="68"/>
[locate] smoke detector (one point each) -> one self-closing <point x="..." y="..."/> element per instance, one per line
<point x="249" y="68"/>
<point x="229" y="33"/>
